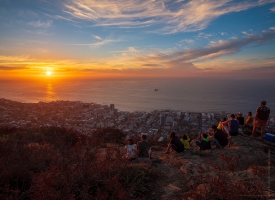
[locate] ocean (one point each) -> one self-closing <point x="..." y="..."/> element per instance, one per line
<point x="185" y="94"/>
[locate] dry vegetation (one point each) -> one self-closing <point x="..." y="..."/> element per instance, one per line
<point x="57" y="163"/>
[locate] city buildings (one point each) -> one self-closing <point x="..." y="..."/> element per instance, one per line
<point x="87" y="117"/>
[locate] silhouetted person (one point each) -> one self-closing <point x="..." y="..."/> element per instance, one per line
<point x="240" y="118"/>
<point x="261" y="117"/>
<point x="249" y="120"/>
<point x="248" y="124"/>
<point x="131" y="150"/>
<point x="220" y="137"/>
<point x="233" y="125"/>
<point x="205" y="142"/>
<point x="144" y="148"/>
<point x="174" y="143"/>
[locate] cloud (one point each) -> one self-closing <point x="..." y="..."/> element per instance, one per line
<point x="260" y="69"/>
<point x="97" y="37"/>
<point x="272" y="9"/>
<point x="188" y="41"/>
<point x="40" y="24"/>
<point x="171" y="16"/>
<point x="97" y="44"/>
<point x="223" y="47"/>
<point x="187" y="60"/>
<point x="14" y="58"/>
<point x="5" y="68"/>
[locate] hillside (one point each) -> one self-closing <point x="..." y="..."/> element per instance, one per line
<point x="59" y="163"/>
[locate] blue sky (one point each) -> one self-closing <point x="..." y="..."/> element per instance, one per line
<point x="137" y="38"/>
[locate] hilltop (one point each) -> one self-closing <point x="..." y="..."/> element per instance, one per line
<point x="59" y="163"/>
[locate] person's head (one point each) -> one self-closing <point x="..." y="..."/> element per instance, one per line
<point x="223" y="119"/>
<point x="143" y="137"/>
<point x="172" y="134"/>
<point x="184" y="137"/>
<point x="249" y="113"/>
<point x="263" y="103"/>
<point x="130" y="141"/>
<point x="232" y="116"/>
<point x="204" y="135"/>
<point x="214" y="127"/>
<point x="240" y="114"/>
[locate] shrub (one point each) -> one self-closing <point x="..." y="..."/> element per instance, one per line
<point x="59" y="163"/>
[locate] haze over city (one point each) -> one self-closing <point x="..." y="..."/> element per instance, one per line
<point x="118" y="38"/>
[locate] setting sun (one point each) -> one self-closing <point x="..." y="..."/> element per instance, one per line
<point x="48" y="73"/>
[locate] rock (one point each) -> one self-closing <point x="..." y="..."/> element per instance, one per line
<point x="156" y="161"/>
<point x="161" y="139"/>
<point x="173" y="187"/>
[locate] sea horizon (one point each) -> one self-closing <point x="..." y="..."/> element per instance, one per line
<point x="185" y="94"/>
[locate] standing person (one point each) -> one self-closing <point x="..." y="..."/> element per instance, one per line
<point x="131" y="150"/>
<point x="233" y="125"/>
<point x="220" y="137"/>
<point x="174" y="143"/>
<point x="261" y="117"/>
<point x="144" y="148"/>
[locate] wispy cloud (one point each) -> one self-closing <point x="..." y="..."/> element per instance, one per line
<point x="224" y="47"/>
<point x="172" y="61"/>
<point x="97" y="37"/>
<point x="187" y="59"/>
<point x="99" y="43"/>
<point x="186" y="16"/>
<point x="41" y="24"/>
<point x="272" y="9"/>
<point x="128" y="50"/>
<point x="188" y="41"/>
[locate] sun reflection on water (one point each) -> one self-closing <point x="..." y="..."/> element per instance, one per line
<point x="50" y="95"/>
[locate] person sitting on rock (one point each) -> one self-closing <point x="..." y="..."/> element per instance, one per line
<point x="174" y="143"/>
<point x="240" y="118"/>
<point x="233" y="125"/>
<point x="205" y="142"/>
<point x="220" y="137"/>
<point x="220" y="126"/>
<point x="144" y="147"/>
<point x="131" y="150"/>
<point x="185" y="139"/>
<point x="249" y="120"/>
<point x="248" y="124"/>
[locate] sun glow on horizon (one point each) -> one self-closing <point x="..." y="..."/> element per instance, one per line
<point x="49" y="73"/>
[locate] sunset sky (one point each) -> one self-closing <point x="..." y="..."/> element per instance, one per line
<point x="137" y="38"/>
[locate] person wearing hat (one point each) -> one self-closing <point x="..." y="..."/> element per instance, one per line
<point x="261" y="117"/>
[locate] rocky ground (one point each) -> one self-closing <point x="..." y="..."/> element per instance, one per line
<point x="247" y="161"/>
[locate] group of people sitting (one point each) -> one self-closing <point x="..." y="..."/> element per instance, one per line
<point x="236" y="122"/>
<point x="140" y="150"/>
<point x="225" y="130"/>
<point x="179" y="145"/>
